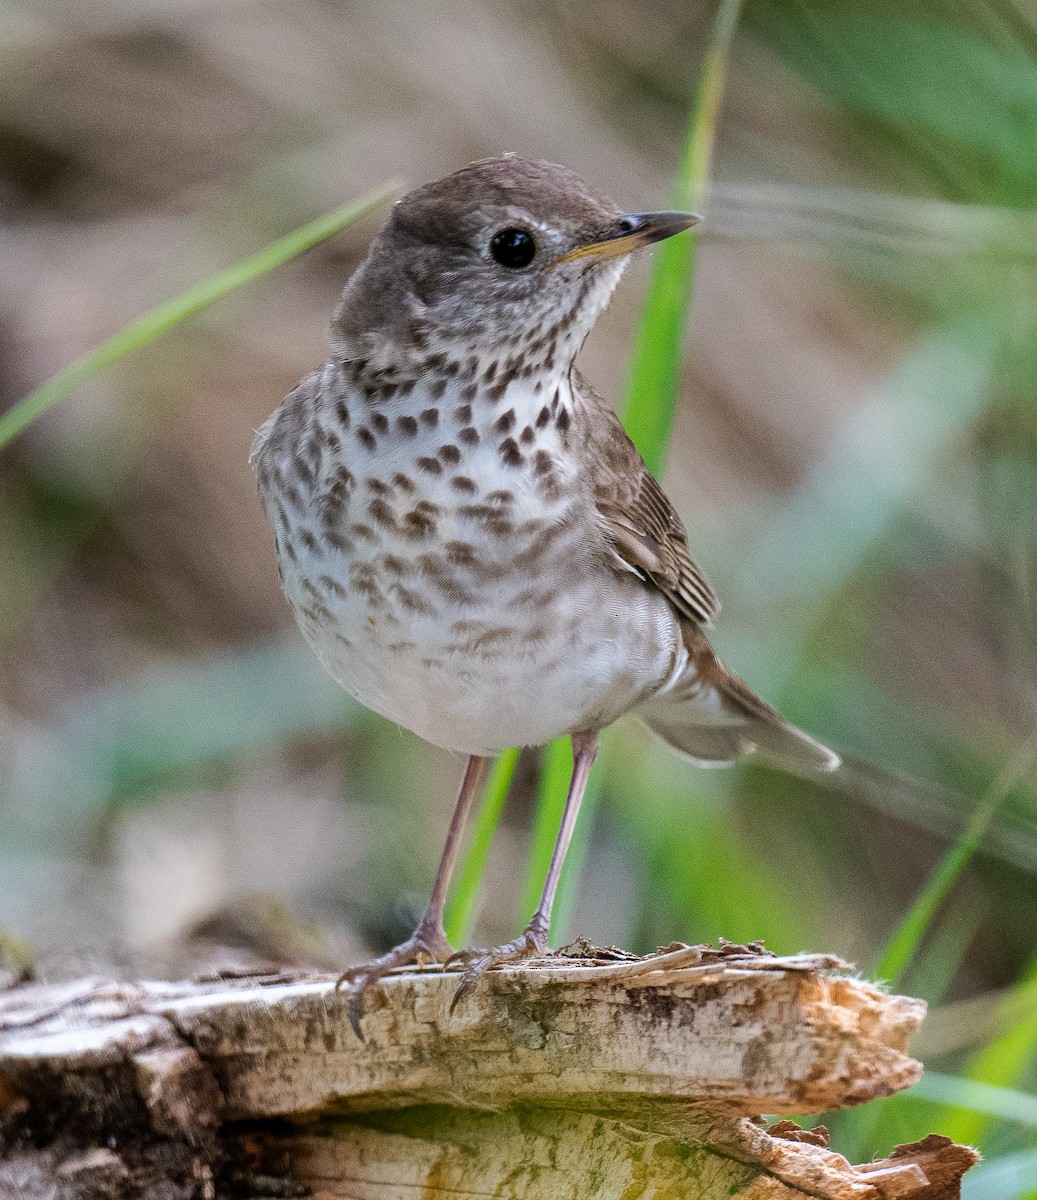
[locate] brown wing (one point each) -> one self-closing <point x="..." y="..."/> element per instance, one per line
<point x="642" y="526"/>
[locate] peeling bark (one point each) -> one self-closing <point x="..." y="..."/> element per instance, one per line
<point x="568" y="1077"/>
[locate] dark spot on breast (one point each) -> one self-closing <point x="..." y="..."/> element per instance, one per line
<point x="344" y="480"/>
<point x="543" y="416"/>
<point x="436" y="362"/>
<point x="338" y="542"/>
<point x="469" y="392"/>
<point x="408" y="426"/>
<point x="476" y="512"/>
<point x="377" y="487"/>
<point x="430" y="466"/>
<point x="452" y="368"/>
<point x="304" y="472"/>
<point x="366" y="438"/>
<point x="417" y="526"/>
<point x="449" y="454"/>
<point x="403" y="482"/>
<point x="342" y="412"/>
<point x="436" y="389"/>
<point x="461" y="554"/>
<point x="413" y="601"/>
<point x="505" y="421"/>
<point x="380" y="422"/>
<point x="316" y="611"/>
<point x="527" y="436"/>
<point x="332" y="585"/>
<point x="469" y="436"/>
<point x="501" y="496"/>
<point x="392" y="564"/>
<point x="430" y="417"/>
<point x="510" y="454"/>
<point x="293" y="497"/>
<point x="362" y="579"/>
<point x="363" y="531"/>
<point x="406" y="386"/>
<point x="382" y="514"/>
<point x="563" y="420"/>
<point x="542" y="462"/>
<point x="495" y="392"/>
<point x="308" y="540"/>
<point x="461" y="483"/>
<point x="332" y="441"/>
<point x="490" y="371"/>
<point x="463" y="413"/>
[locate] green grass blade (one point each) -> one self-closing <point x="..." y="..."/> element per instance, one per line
<point x="648" y="411"/>
<point x="651" y="395"/>
<point x="153" y="324"/>
<point x="460" y="914"/>
<point x="988" y="1099"/>
<point x="1009" y="1057"/>
<point x="912" y="929"/>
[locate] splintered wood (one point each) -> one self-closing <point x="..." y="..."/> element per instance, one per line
<point x="592" y="1076"/>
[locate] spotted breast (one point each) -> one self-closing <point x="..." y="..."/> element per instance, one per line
<point x="440" y="550"/>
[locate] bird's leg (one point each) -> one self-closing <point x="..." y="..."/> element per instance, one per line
<point x="533" y="939"/>
<point x="428" y="941"/>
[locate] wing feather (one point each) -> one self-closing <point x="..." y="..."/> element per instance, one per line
<point x="641" y="526"/>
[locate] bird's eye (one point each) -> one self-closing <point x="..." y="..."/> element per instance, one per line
<point x="513" y="248"/>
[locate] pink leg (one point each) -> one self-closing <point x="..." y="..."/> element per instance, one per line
<point x="428" y="941"/>
<point x="533" y="940"/>
<point x="585" y="751"/>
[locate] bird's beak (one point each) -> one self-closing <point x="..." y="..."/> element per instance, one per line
<point x="632" y="232"/>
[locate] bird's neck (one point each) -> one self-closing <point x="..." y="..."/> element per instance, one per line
<point x="529" y="381"/>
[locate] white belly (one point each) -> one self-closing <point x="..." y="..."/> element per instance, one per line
<point x="500" y="673"/>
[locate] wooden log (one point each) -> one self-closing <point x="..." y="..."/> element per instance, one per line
<point x="589" y="1075"/>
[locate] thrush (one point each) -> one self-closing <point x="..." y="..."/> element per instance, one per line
<point x="469" y="540"/>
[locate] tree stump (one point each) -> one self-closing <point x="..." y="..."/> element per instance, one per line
<point x="589" y="1075"/>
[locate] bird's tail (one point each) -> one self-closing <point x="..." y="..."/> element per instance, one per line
<point x="716" y="718"/>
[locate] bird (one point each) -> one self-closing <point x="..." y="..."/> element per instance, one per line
<point x="467" y="537"/>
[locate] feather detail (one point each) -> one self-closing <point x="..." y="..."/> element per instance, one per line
<point x="641" y="526"/>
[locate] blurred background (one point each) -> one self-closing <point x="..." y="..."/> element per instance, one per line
<point x="855" y="456"/>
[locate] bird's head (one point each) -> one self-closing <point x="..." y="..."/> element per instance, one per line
<point x="504" y="251"/>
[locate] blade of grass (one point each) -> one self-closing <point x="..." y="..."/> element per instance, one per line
<point x="912" y="929"/>
<point x="460" y="914"/>
<point x="985" y="1099"/>
<point x="648" y="411"/>
<point x="153" y="324"/>
<point x="651" y="396"/>
<point x="1000" y="1064"/>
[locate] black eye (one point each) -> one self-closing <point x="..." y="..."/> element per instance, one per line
<point x="513" y="248"/>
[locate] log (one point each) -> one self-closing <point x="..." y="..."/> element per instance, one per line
<point x="587" y="1073"/>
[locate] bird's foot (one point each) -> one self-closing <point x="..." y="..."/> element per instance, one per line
<point x="425" y="944"/>
<point x="531" y="943"/>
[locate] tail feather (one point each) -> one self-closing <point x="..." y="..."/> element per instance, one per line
<point x="716" y="719"/>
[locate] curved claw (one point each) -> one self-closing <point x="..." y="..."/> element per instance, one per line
<point x="424" y="945"/>
<point x="531" y="944"/>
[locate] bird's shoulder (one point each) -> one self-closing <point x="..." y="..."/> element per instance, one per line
<point x="642" y="530"/>
<point x="286" y="426"/>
